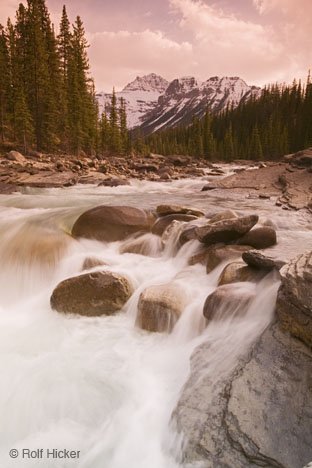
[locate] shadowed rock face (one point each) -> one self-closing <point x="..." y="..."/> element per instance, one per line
<point x="257" y="414"/>
<point x="112" y="223"/>
<point x="294" y="301"/>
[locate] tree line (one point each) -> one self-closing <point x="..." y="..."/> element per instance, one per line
<point x="266" y="127"/>
<point x="47" y="97"/>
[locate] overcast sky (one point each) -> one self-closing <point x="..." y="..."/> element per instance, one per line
<point x="261" y="41"/>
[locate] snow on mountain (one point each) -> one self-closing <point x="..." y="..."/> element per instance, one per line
<point x="153" y="103"/>
<point x="186" y="97"/>
<point x="141" y="96"/>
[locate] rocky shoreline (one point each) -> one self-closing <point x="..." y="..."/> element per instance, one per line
<point x="288" y="181"/>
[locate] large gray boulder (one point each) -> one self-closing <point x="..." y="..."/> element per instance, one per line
<point x="92" y="294"/>
<point x="226" y="230"/>
<point x="112" y="223"/>
<point x="254" y="413"/>
<point x="294" y="301"/>
<point x="160" y="307"/>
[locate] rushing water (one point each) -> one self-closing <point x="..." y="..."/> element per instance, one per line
<point x="101" y="385"/>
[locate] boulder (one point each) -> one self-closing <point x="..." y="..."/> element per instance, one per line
<point x="294" y="300"/>
<point x="226" y="231"/>
<point x="112" y="223"/>
<point x="229" y="301"/>
<point x="162" y="223"/>
<point x="92" y="294"/>
<point x="92" y="262"/>
<point x="259" y="238"/>
<point x="237" y="272"/>
<point x="160" y="307"/>
<point x="257" y="259"/>
<point x="17" y="157"/>
<point x="164" y="210"/>
<point x="219" y="253"/>
<point x="252" y="408"/>
<point x="223" y="215"/>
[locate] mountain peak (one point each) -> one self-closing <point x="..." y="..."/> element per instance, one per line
<point x="149" y="83"/>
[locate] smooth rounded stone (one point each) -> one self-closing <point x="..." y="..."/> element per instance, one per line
<point x="294" y="299"/>
<point x="113" y="182"/>
<point x="164" y="210"/>
<point x="112" y="223"/>
<point x="257" y="259"/>
<point x="148" y="245"/>
<point x="162" y="223"/>
<point x="92" y="294"/>
<point x="160" y="307"/>
<point x="219" y="253"/>
<point x="16" y="156"/>
<point x="226" y="231"/>
<point x="259" y="238"/>
<point x="229" y="301"/>
<point x="227" y="214"/>
<point x="237" y="272"/>
<point x="92" y="262"/>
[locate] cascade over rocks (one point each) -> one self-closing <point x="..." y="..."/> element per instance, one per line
<point x="259" y="238"/>
<point x="236" y="272"/>
<point x="112" y="223"/>
<point x="92" y="262"/>
<point x="148" y="244"/>
<point x="160" y="307"/>
<point x="229" y="301"/>
<point x="92" y="294"/>
<point x="219" y="253"/>
<point x="163" y="222"/>
<point x="294" y="300"/>
<point x="226" y="230"/>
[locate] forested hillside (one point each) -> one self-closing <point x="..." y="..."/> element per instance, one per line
<point x="47" y="96"/>
<point x="277" y="123"/>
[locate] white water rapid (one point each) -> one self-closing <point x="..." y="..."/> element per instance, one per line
<point x="102" y="386"/>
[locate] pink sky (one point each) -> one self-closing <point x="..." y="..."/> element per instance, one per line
<point x="259" y="40"/>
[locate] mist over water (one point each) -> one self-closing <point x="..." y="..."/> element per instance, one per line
<point x="101" y="385"/>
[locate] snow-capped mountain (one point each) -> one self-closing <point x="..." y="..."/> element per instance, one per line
<point x="153" y="103"/>
<point x="141" y="96"/>
<point x="186" y="97"/>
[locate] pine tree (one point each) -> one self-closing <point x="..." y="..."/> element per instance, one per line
<point x="4" y="84"/>
<point x="115" y="140"/>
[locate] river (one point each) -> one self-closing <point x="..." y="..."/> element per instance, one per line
<point x="101" y="386"/>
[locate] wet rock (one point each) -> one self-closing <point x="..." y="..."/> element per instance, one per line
<point x="226" y="231"/>
<point x="224" y="215"/>
<point x="162" y="223"/>
<point x="92" y="262"/>
<point x="7" y="188"/>
<point x="255" y="410"/>
<point x="257" y="259"/>
<point x="217" y="254"/>
<point x="113" y="182"/>
<point x="164" y="210"/>
<point x="259" y="238"/>
<point x="236" y="272"/>
<point x="149" y="245"/>
<point x="228" y="301"/>
<point x="209" y="187"/>
<point x="160" y="307"/>
<point x="294" y="301"/>
<point x="92" y="294"/>
<point x="112" y="223"/>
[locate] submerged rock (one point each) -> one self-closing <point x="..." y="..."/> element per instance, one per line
<point x="229" y="301"/>
<point x="92" y="294"/>
<point x="227" y="230"/>
<point x="148" y="244"/>
<point x="219" y="253"/>
<point x="92" y="262"/>
<point x="259" y="238"/>
<point x="294" y="301"/>
<point x="112" y="223"/>
<point x="237" y="272"/>
<point x="160" y="307"/>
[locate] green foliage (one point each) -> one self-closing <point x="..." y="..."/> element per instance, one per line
<point x="278" y="122"/>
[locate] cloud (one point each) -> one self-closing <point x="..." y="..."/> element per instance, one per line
<point x="120" y="56"/>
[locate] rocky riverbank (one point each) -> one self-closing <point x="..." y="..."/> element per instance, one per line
<point x="289" y="181"/>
